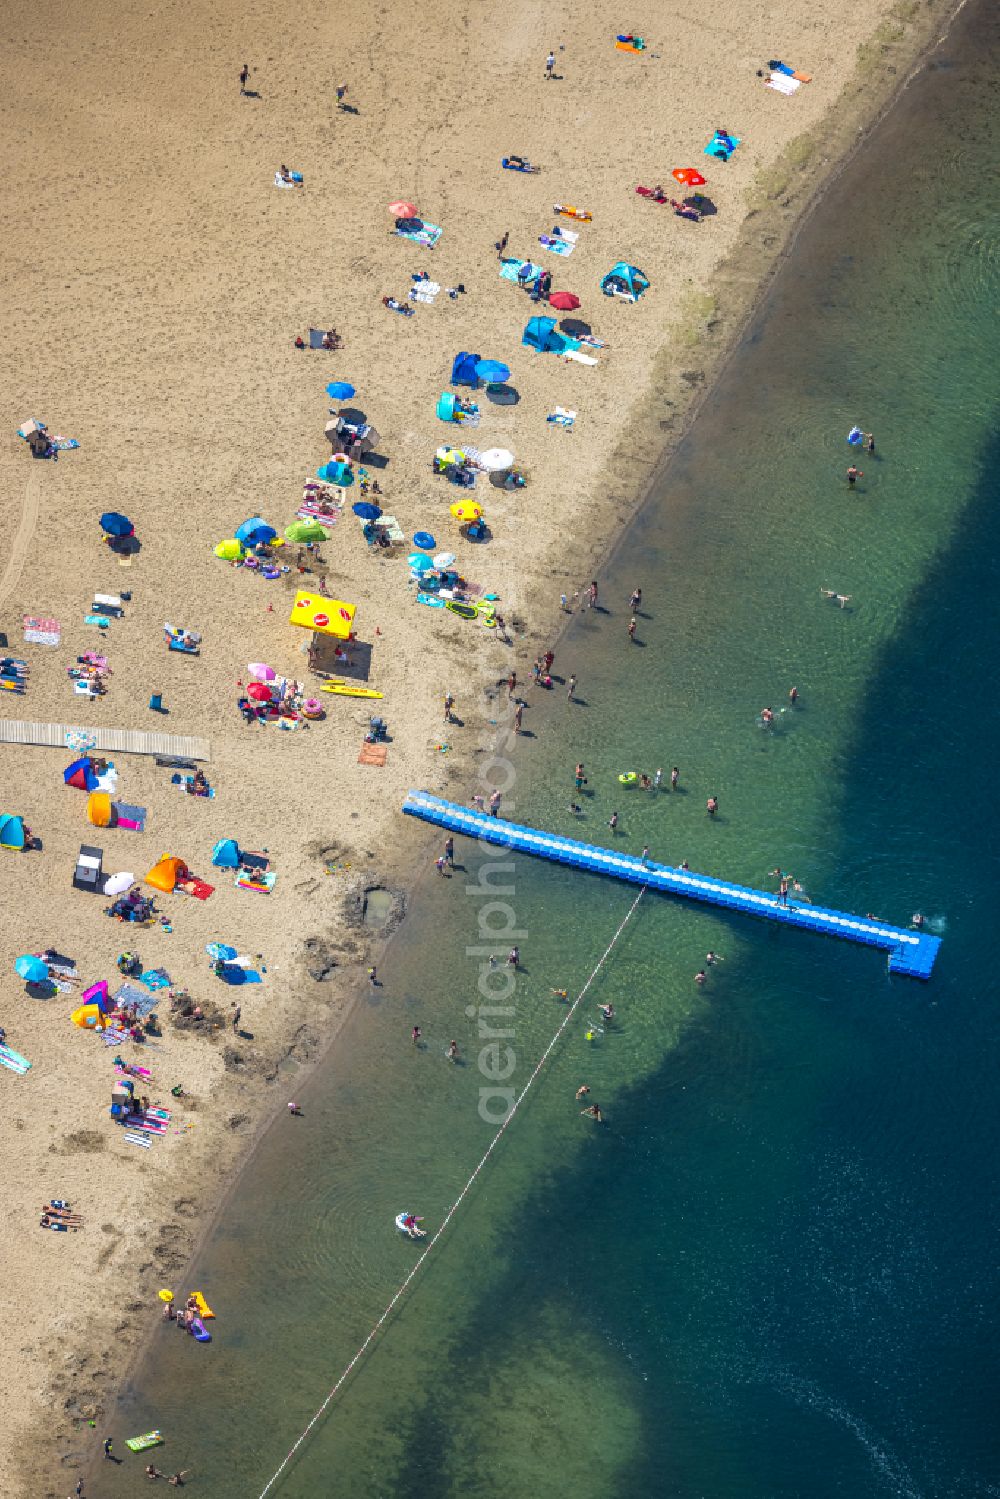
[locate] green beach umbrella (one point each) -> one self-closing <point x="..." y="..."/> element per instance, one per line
<point x="305" y="530"/>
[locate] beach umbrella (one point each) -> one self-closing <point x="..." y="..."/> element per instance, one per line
<point x="564" y="301"/>
<point x="231" y="550"/>
<point x="305" y="530"/>
<point x="418" y="563"/>
<point x="492" y="372"/>
<point x="465" y="510"/>
<point x="688" y="176"/>
<point x="403" y="210"/>
<point x="495" y="460"/>
<point x="340" y="390"/>
<point x="113" y="524"/>
<point x="444" y="559"/>
<point x="425" y="541"/>
<point x="31" y="969"/>
<point x="221" y="951"/>
<point x="260" y="692"/>
<point x="261" y="672"/>
<point x="117" y="884"/>
<point x="254" y="531"/>
<point x="366" y="510"/>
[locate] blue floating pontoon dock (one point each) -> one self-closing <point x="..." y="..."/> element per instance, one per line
<point x="910" y="953"/>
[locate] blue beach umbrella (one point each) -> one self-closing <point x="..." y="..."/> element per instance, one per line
<point x="340" y="390"/>
<point x="425" y="541"/>
<point x="418" y="563"/>
<point x="31" y="969"/>
<point x="492" y="372"/>
<point x="255" y="531"/>
<point x="366" y="510"/>
<point x="113" y="524"/>
<point x="221" y="951"/>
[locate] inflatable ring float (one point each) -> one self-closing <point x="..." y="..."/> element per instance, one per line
<point x="628" y="777"/>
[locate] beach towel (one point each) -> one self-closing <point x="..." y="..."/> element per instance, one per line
<point x="560" y="241"/>
<point x="198" y="888"/>
<point x="133" y="1139"/>
<point x="717" y="149"/>
<point x="85" y="689"/>
<point x="309" y="510"/>
<point x="296" y="181"/>
<point x="13" y="1060"/>
<point x="577" y="356"/>
<point x="147" y="1124"/>
<point x="782" y="67"/>
<point x="427" y="235"/>
<point x="100" y="620"/>
<point x="64" y="444"/>
<point x="561" y="417"/>
<point x="128" y="994"/>
<point x="316" y="337"/>
<point x="155" y="978"/>
<point x="263" y="883"/>
<point x="133" y="818"/>
<point x="373" y="754"/>
<point x="782" y="84"/>
<point x="425" y="291"/>
<point x="41" y="631"/>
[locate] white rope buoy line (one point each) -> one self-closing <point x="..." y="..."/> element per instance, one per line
<point x="449" y="1215"/>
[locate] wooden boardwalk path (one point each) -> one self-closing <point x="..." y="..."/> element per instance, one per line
<point x="110" y="741"/>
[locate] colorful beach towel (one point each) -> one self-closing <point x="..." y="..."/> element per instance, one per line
<point x="263" y="883"/>
<point x="309" y="510"/>
<point x="373" y="754"/>
<point x="428" y="235"/>
<point x="13" y="1060"/>
<point x="296" y="181"/>
<point x="39" y="631"/>
<point x="142" y="1140"/>
<point x="559" y="244"/>
<point x="719" y="149"/>
<point x="155" y="978"/>
<point x="424" y="291"/>
<point x="133" y="818"/>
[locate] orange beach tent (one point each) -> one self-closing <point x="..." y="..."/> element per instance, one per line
<point x="166" y="874"/>
<point x="99" y="809"/>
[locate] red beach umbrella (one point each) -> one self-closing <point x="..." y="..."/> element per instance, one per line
<point x="259" y="691"/>
<point x="403" y="210"/>
<point x="689" y="176"/>
<point x="564" y="301"/>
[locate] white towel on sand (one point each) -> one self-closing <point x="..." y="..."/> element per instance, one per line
<point x="782" y="84"/>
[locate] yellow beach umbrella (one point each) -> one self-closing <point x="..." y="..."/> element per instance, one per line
<point x="311" y="611"/>
<point x="231" y="550"/>
<point x="466" y="510"/>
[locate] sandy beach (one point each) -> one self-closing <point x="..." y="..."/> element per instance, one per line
<point x="154" y="281"/>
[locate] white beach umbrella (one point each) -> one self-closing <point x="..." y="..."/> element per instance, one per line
<point x="117" y="884"/>
<point x="444" y="559"/>
<point x="495" y="460"/>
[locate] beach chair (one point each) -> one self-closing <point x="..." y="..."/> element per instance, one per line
<point x="87" y="875"/>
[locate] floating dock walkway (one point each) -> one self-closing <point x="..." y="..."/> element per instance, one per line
<point x="910" y="953"/>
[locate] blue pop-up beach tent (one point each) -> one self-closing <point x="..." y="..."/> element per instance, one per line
<point x="226" y="854"/>
<point x="12" y="831"/>
<point x="463" y="370"/>
<point x="542" y="335"/>
<point x="624" y="280"/>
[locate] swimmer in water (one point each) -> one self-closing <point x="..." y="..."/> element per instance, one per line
<point x="853" y="475"/>
<point x="917" y="920"/>
<point x="582" y="1092"/>
<point x="713" y="957"/>
<point x="593" y="1112"/>
<point x="793" y="695"/>
<point x="675" y="776"/>
<point x="767" y="715"/>
<point x="608" y="1012"/>
<point x="575" y="808"/>
<point x="712" y="806"/>
<point x="843" y="599"/>
<point x="559" y="993"/>
<point x="700" y="976"/>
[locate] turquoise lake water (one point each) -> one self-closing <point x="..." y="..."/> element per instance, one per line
<point x="772" y="1272"/>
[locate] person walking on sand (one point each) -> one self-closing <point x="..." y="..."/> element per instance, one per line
<point x="635" y="601"/>
<point x="514" y="957"/>
<point x="449" y="851"/>
<point x="631" y="629"/>
<point x="518" y="715"/>
<point x="853" y="475"/>
<point x="579" y="779"/>
<point x="449" y="707"/>
<point x="494" y="803"/>
<point x="341" y="96"/>
<point x="440" y="864"/>
<point x="511" y="684"/>
<point x="244" y="77"/>
<point x="373" y="976"/>
<point x="452" y="1052"/>
<point x="550" y="63"/>
<point x="415" y="1035"/>
<point x="502" y="244"/>
<point x="613" y="822"/>
<point x="571" y="688"/>
<point x="237" y="1012"/>
<point x="592" y="595"/>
